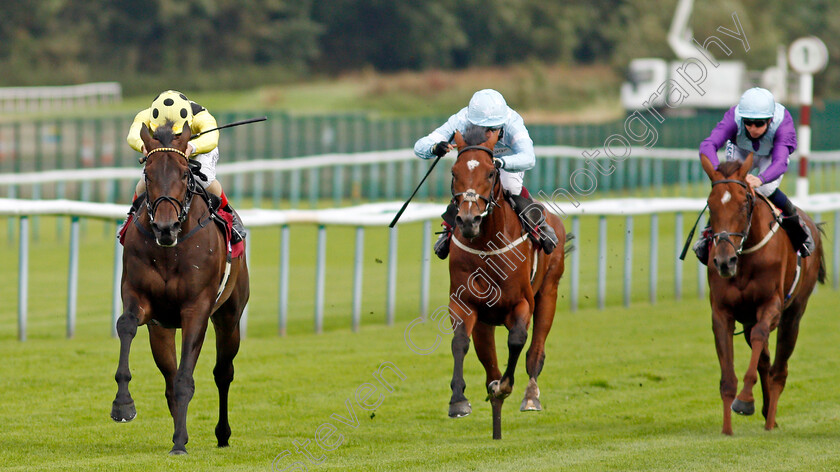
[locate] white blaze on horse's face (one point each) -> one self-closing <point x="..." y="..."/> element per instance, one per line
<point x="472" y="164"/>
<point x="726" y="197"/>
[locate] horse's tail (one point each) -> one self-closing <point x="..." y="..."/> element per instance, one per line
<point x="569" y="247"/>
<point x="821" y="273"/>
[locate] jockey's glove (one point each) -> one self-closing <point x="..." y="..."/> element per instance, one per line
<point x="498" y="163"/>
<point x="440" y="148"/>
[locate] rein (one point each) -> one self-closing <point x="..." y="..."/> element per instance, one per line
<point x="470" y="195"/>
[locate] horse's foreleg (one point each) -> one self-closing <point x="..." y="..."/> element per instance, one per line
<point x="517" y="336"/>
<point x="723" y="326"/>
<point x="485" y="348"/>
<point x="767" y="317"/>
<point x="162" y="341"/>
<point x="458" y="404"/>
<point x="763" y="371"/>
<point x="545" y="303"/>
<point x="785" y="342"/>
<point x="123" y="409"/>
<point x="227" y="345"/>
<point x="193" y="330"/>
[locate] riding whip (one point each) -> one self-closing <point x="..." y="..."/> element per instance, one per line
<point x="405" y="205"/>
<point x="230" y="125"/>
<point x="691" y="234"/>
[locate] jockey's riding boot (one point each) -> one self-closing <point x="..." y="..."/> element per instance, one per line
<point x="531" y="214"/>
<point x="442" y="244"/>
<point x="799" y="234"/>
<point x="237" y="232"/>
<point x="701" y="247"/>
<point x="135" y="205"/>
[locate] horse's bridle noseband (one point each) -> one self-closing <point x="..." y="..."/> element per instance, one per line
<point x="183" y="207"/>
<point x="470" y="195"/>
<point x="724" y="235"/>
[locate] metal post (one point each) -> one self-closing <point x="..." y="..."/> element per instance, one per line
<point x="628" y="258"/>
<point x="678" y="239"/>
<point x="574" y="278"/>
<point x="23" y="276"/>
<point x="602" y="261"/>
<point x="803" y="136"/>
<point x="73" y="277"/>
<point x="425" y="271"/>
<point x="320" y="270"/>
<point x="116" y="299"/>
<point x="358" y="270"/>
<point x="392" y="277"/>
<point x="283" y="289"/>
<point x="654" y="257"/>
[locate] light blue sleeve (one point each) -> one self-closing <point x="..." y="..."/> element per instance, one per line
<point x="519" y="141"/>
<point x="423" y="146"/>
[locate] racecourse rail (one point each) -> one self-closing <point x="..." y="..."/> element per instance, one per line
<point x="380" y="214"/>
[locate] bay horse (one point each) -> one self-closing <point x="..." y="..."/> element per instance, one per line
<point x="756" y="280"/>
<point x="495" y="280"/>
<point x="176" y="275"/>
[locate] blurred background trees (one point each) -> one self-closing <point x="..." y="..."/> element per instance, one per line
<point x="230" y="44"/>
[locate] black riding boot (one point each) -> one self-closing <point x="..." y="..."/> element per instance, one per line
<point x="796" y="229"/>
<point x="531" y="214"/>
<point x="701" y="247"/>
<point x="442" y="243"/>
<point x="237" y="232"/>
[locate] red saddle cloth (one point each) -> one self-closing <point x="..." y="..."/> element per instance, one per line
<point x="226" y="226"/>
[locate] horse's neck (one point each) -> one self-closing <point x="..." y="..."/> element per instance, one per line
<point x="502" y="220"/>
<point x="760" y="225"/>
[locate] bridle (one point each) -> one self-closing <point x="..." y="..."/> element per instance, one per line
<point x="470" y="195"/>
<point x="724" y="235"/>
<point x="183" y="207"/>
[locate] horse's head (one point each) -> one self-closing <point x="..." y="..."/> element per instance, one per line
<point x="730" y="212"/>
<point x="168" y="180"/>
<point x="475" y="179"/>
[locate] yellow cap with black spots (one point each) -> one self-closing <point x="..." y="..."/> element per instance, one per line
<point x="170" y="106"/>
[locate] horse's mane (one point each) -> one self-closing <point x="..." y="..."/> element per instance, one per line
<point x="729" y="167"/>
<point x="164" y="133"/>
<point x="475" y="135"/>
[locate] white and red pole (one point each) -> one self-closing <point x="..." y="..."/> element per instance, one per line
<point x="806" y="98"/>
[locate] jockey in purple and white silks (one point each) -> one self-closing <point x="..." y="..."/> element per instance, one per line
<point x="765" y="128"/>
<point x="512" y="155"/>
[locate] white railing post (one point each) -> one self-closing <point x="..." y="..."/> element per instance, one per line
<point x="23" y="277"/>
<point x="73" y="277"/>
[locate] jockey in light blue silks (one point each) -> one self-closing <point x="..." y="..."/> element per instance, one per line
<point x="759" y="125"/>
<point x="513" y="155"/>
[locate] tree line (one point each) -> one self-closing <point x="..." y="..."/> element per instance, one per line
<point x="239" y="43"/>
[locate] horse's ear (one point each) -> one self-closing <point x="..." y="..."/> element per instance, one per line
<point x="745" y="167"/>
<point x="184" y="138"/>
<point x="145" y="136"/>
<point x="707" y="166"/>
<point x="459" y="140"/>
<point x="494" y="138"/>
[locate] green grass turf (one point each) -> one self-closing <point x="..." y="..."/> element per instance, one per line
<point x="623" y="389"/>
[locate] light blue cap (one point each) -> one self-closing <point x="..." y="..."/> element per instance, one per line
<point x="487" y="108"/>
<point x="756" y="103"/>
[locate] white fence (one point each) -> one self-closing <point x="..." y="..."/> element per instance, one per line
<point x="380" y="215"/>
<point x="60" y="96"/>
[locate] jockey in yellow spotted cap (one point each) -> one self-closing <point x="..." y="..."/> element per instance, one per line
<point x="175" y="107"/>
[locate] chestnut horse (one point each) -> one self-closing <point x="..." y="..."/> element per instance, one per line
<point x="755" y="279"/>
<point x="167" y="285"/>
<point x="494" y="281"/>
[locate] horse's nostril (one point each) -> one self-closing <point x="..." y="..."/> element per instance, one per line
<point x="477" y="220"/>
<point x="459" y="220"/>
<point x="733" y="260"/>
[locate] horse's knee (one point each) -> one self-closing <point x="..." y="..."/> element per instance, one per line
<point x="728" y="387"/>
<point x="517" y="337"/>
<point x="127" y="325"/>
<point x="759" y="334"/>
<point x="460" y="343"/>
<point x="223" y="375"/>
<point x="184" y="387"/>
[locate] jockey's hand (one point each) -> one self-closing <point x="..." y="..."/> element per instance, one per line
<point x="753" y="181"/>
<point x="441" y="148"/>
<point x="190" y="150"/>
<point x="498" y="163"/>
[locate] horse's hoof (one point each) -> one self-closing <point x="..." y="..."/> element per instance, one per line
<point x="530" y="404"/>
<point x="178" y="451"/>
<point x="460" y="409"/>
<point x="123" y="413"/>
<point x="743" y="408"/>
<point x="494" y="390"/>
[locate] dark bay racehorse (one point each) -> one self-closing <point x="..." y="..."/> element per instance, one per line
<point x="175" y="275"/>
<point x="755" y="279"/>
<point x="496" y="278"/>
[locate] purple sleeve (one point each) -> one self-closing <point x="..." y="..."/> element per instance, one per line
<point x="724" y="131"/>
<point x="784" y="143"/>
